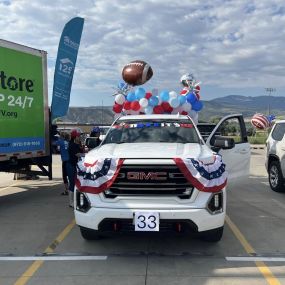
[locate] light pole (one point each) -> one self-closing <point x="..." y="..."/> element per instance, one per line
<point x="269" y="90"/>
<point x="102" y="113"/>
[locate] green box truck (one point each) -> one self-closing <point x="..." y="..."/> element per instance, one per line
<point x="24" y="111"/>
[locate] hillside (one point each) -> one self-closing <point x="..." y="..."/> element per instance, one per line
<point x="218" y="107"/>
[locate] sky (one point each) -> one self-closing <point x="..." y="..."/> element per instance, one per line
<point x="232" y="47"/>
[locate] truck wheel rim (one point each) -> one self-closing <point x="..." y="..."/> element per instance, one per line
<point x="274" y="176"/>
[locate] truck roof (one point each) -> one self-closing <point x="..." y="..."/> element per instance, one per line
<point x="153" y="116"/>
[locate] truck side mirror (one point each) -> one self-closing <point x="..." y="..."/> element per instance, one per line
<point x="223" y="143"/>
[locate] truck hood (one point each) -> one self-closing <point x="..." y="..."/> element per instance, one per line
<point x="151" y="151"/>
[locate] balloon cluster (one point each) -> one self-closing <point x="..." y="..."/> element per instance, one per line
<point x="130" y="101"/>
<point x="262" y="122"/>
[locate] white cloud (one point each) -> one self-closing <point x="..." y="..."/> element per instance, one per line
<point x="227" y="44"/>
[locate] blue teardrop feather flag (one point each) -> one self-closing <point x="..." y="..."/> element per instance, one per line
<point x="64" y="67"/>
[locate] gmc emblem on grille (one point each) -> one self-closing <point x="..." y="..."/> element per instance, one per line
<point x="146" y="175"/>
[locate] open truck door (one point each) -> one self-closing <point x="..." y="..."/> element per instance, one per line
<point x="237" y="159"/>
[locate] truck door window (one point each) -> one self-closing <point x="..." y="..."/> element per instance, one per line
<point x="230" y="128"/>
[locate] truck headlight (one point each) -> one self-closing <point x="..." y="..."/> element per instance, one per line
<point x="215" y="204"/>
<point x="82" y="202"/>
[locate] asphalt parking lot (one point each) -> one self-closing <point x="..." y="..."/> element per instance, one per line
<point x="41" y="245"/>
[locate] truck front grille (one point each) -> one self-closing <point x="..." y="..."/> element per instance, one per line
<point x="150" y="180"/>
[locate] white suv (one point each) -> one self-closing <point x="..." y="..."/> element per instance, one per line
<point x="275" y="158"/>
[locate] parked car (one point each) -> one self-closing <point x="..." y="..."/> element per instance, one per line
<point x="137" y="181"/>
<point x="275" y="157"/>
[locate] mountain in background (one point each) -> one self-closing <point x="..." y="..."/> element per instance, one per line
<point x="214" y="108"/>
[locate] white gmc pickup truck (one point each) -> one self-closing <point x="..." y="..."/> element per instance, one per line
<point x="157" y="173"/>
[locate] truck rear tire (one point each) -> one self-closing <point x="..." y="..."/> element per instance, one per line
<point x="214" y="235"/>
<point x="89" y="234"/>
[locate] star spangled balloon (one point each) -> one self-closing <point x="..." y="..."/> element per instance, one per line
<point x="261" y="121"/>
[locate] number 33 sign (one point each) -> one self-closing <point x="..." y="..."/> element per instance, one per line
<point x="146" y="221"/>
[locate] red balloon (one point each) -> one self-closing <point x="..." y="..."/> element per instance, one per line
<point x="117" y="108"/>
<point x="166" y="107"/>
<point x="135" y="105"/>
<point x="184" y="113"/>
<point x="158" y="110"/>
<point x="127" y="105"/>
<point x="148" y="95"/>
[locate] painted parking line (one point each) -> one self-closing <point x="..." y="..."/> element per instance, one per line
<point x="264" y="270"/>
<point x="54" y="258"/>
<point x="10" y="186"/>
<point x="255" y="258"/>
<point x="26" y="276"/>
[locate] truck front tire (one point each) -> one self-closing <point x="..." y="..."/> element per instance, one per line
<point x="214" y="235"/>
<point x="89" y="234"/>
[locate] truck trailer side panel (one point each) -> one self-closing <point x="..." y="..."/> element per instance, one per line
<point x="24" y="112"/>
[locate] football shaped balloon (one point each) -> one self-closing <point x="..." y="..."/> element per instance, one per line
<point x="260" y="121"/>
<point x="137" y="72"/>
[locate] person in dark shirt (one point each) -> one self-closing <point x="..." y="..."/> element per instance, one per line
<point x="63" y="145"/>
<point x="75" y="152"/>
<point x="94" y="138"/>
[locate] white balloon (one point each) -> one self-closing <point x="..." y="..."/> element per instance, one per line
<point x="120" y="99"/>
<point x="143" y="102"/>
<point x="172" y="94"/>
<point x="174" y="102"/>
<point x="186" y="107"/>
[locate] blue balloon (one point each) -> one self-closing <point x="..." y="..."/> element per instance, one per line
<point x="148" y="110"/>
<point x="197" y="106"/>
<point x="122" y="85"/>
<point x="131" y="97"/>
<point x="153" y="101"/>
<point x="191" y="98"/>
<point x="271" y="118"/>
<point x="140" y="93"/>
<point x="182" y="100"/>
<point x="164" y="96"/>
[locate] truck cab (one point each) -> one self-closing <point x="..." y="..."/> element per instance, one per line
<point x="157" y="173"/>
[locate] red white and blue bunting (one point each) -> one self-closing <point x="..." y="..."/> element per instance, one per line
<point x="96" y="177"/>
<point x="205" y="177"/>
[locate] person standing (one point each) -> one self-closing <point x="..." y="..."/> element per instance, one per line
<point x="63" y="143"/>
<point x="94" y="138"/>
<point x="75" y="152"/>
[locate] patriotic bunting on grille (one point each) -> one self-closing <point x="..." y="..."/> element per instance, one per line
<point x="97" y="176"/>
<point x="205" y="177"/>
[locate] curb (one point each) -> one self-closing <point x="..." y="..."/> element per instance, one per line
<point x="257" y="146"/>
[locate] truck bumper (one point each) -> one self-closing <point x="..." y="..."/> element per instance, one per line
<point x="199" y="219"/>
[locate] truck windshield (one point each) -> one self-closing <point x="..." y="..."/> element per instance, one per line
<point x="171" y="131"/>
